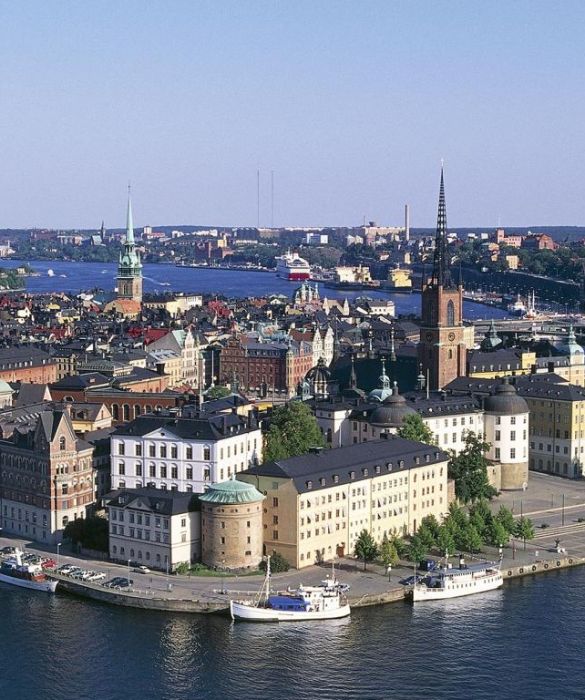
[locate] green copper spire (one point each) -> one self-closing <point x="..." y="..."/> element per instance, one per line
<point x="129" y="223"/>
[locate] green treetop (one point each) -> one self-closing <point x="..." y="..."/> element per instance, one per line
<point x="365" y="547"/>
<point x="469" y="470"/>
<point x="293" y="431"/>
<point x="414" y="428"/>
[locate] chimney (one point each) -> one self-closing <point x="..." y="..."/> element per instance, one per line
<point x="406" y="223"/>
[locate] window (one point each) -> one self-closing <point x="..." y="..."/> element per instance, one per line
<point x="138" y="469"/>
<point x="151" y="451"/>
<point x="152" y="470"/>
<point x="174" y="472"/>
<point x="207" y="453"/>
<point x="62" y="444"/>
<point x="275" y="502"/>
<point x="163" y="471"/>
<point x="163" y="451"/>
<point x="122" y="469"/>
<point x="189" y="453"/>
<point x="189" y="473"/>
<point x="497" y="434"/>
<point x="183" y="522"/>
<point x="450" y="313"/>
<point x="513" y="453"/>
<point x="138" y="451"/>
<point x="275" y="534"/>
<point x="497" y="453"/>
<point x="121" y="448"/>
<point x="512" y="435"/>
<point x="174" y="452"/>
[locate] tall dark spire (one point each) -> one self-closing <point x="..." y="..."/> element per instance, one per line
<point x="441" y="274"/>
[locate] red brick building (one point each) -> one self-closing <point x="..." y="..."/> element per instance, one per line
<point x="539" y="241"/>
<point x="46" y="477"/>
<point x="270" y="365"/>
<point x="27" y="364"/>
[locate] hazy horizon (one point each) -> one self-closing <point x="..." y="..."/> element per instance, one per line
<point x="352" y="105"/>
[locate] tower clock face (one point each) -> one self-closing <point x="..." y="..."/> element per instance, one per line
<point x="451" y="337"/>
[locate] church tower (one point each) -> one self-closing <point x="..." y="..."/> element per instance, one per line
<point x="130" y="267"/>
<point x="442" y="352"/>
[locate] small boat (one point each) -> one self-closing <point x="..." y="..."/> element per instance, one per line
<point x="447" y="582"/>
<point x="50" y="273"/>
<point x="16" y="573"/>
<point x="323" y="602"/>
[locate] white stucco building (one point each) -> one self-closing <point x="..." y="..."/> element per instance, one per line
<point x="183" y="454"/>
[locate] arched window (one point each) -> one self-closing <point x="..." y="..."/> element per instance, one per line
<point x="450" y="313"/>
<point x="136" y="410"/>
<point x="126" y="411"/>
<point x="115" y="411"/>
<point x="61" y="443"/>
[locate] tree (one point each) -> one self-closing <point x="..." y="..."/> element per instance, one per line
<point x="432" y="524"/>
<point x="293" y="431"/>
<point x="217" y="392"/>
<point x="470" y="539"/>
<point x="365" y="547"/>
<point x="426" y="536"/>
<point x="388" y="553"/>
<point x="457" y="519"/>
<point x="88" y="532"/>
<point x="497" y="534"/>
<point x="399" y="545"/>
<point x="416" y="550"/>
<point x="414" y="428"/>
<point x="445" y="540"/>
<point x="469" y="470"/>
<point x="278" y="564"/>
<point x="524" y="529"/>
<point x="506" y="518"/>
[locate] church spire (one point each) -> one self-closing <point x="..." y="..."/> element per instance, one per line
<point x="129" y="222"/>
<point x="441" y="276"/>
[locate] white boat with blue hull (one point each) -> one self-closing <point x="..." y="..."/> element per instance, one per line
<point x="448" y="582"/>
<point x="323" y="602"/>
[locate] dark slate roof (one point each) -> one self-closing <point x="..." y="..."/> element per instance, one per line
<point x="78" y="382"/>
<point x="498" y="360"/>
<point x="393" y="454"/>
<point x="156" y="501"/>
<point x="213" y="427"/>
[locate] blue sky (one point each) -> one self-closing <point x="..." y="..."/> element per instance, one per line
<point x="351" y="104"/>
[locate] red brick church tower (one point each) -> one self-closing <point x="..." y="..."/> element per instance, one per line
<point x="442" y="352"/>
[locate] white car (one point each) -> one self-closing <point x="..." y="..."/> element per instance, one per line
<point x="141" y="569"/>
<point x="97" y="576"/>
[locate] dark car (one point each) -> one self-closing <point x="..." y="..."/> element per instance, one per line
<point x="8" y="550"/>
<point x="411" y="580"/>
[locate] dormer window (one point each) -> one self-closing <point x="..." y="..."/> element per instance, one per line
<point x="322" y="481"/>
<point x="365" y="471"/>
<point x="352" y="475"/>
<point x="309" y="484"/>
<point x="335" y="478"/>
<point x="378" y="469"/>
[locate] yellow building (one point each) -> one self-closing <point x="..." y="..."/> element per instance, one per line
<point x="317" y="504"/>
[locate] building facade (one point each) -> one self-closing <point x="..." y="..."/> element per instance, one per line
<point x="318" y="504"/>
<point x="183" y="454"/>
<point x="153" y="528"/>
<point x="46" y="477"/>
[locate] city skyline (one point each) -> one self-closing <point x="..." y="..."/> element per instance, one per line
<point x="351" y="106"/>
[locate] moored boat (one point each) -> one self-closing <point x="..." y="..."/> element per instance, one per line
<point x="16" y="573"/>
<point x="448" y="582"/>
<point x="291" y="266"/>
<point x="323" y="602"/>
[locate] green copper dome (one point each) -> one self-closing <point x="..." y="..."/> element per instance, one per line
<point x="231" y="492"/>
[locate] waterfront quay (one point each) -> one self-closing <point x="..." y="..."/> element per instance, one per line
<point x="558" y="504"/>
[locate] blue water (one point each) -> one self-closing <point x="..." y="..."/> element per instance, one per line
<point x="523" y="642"/>
<point x="76" y="276"/>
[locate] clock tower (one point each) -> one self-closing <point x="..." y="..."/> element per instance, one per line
<point x="442" y="352"/>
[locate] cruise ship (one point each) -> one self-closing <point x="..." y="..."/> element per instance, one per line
<point x="291" y="266"/>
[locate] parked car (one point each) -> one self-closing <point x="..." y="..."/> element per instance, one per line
<point x="141" y="569"/>
<point x="97" y="576"/>
<point x="66" y="569"/>
<point x="411" y="580"/>
<point x="8" y="550"/>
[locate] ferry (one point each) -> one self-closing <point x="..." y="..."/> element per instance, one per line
<point x="291" y="266"/>
<point x="447" y="582"/>
<point x="14" y="572"/>
<point x="323" y="602"/>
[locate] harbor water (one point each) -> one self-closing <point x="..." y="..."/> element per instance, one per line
<point x="523" y="642"/>
<point x="75" y="276"/>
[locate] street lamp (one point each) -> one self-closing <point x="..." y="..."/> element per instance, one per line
<point x="389" y="570"/>
<point x="59" y="553"/>
<point x="129" y="560"/>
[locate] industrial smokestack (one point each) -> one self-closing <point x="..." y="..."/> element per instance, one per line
<point x="406" y="223"/>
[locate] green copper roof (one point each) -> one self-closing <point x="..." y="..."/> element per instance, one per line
<point x="231" y="492"/>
